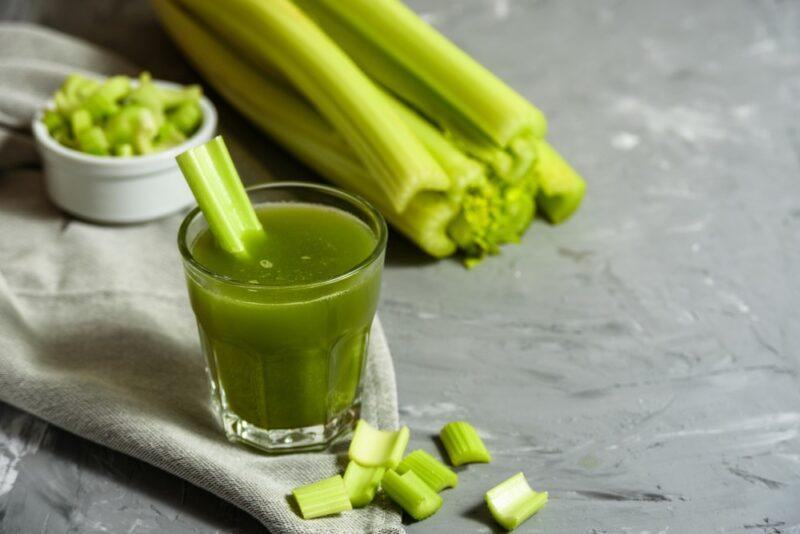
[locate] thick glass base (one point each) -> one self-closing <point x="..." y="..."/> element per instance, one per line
<point x="286" y="440"/>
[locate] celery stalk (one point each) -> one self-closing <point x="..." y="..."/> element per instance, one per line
<point x="433" y="472"/>
<point x="462" y="170"/>
<point x="371" y="447"/>
<point x="280" y="33"/>
<point x="561" y="189"/>
<point x="513" y="501"/>
<point x="411" y="493"/>
<point x="361" y="483"/>
<point x="216" y="185"/>
<point x="489" y="202"/>
<point x="463" y="445"/>
<point x="325" y="497"/>
<point x="289" y="119"/>
<point x="426" y="55"/>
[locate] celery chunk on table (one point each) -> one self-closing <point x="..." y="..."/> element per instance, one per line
<point x="411" y="493"/>
<point x="362" y="483"/>
<point x="463" y="445"/>
<point x="433" y="472"/>
<point x="371" y="447"/>
<point x="513" y="501"/>
<point x="326" y="497"/>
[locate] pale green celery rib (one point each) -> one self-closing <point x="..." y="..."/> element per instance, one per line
<point x="561" y="189"/>
<point x="216" y="186"/>
<point x="411" y="493"/>
<point x="280" y="33"/>
<point x="321" y="498"/>
<point x="458" y="129"/>
<point x="462" y="170"/>
<point x="288" y="118"/>
<point x="463" y="445"/>
<point x="362" y="482"/>
<point x="371" y="447"/>
<point x="433" y="472"/>
<point x="513" y="501"/>
<point x="498" y="111"/>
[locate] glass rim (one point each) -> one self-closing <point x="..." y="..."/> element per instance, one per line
<point x="355" y="200"/>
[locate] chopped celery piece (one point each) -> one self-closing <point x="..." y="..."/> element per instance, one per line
<point x="326" y="497"/>
<point x="125" y="150"/>
<point x="411" y="493"/>
<point x="52" y="120"/>
<point x="80" y="120"/>
<point x="463" y="445"/>
<point x="186" y="117"/>
<point x="433" y="472"/>
<point x="216" y="186"/>
<point x="169" y="135"/>
<point x="561" y="189"/>
<point x="371" y="447"/>
<point x="513" y="501"/>
<point x="93" y="141"/>
<point x="103" y="101"/>
<point x="276" y="33"/>
<point x="123" y="127"/>
<point x="362" y="483"/>
<point x="173" y="98"/>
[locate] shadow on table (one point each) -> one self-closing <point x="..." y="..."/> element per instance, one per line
<point x="401" y="252"/>
<point x="480" y="513"/>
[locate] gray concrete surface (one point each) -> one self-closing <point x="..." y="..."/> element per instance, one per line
<point x="639" y="362"/>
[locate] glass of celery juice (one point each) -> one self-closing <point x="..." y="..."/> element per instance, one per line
<point x="284" y="331"/>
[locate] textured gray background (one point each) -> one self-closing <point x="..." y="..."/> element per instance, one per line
<point x="640" y="362"/>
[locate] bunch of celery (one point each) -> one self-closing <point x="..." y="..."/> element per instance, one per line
<point x="380" y="103"/>
<point x="116" y="117"/>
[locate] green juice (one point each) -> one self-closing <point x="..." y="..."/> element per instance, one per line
<point x="285" y="330"/>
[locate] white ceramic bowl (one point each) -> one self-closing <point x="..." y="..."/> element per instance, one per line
<point x="114" y="189"/>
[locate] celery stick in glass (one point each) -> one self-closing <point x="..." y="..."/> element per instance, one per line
<point x="371" y="447"/>
<point x="513" y="501"/>
<point x="463" y="445"/>
<point x="433" y="472"/>
<point x="411" y="493"/>
<point x="362" y="483"/>
<point x="326" y="497"/>
<point x="216" y="186"/>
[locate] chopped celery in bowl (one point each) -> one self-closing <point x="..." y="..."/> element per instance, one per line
<point x="122" y="117"/>
<point x="136" y="179"/>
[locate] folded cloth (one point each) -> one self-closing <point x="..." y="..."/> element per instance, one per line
<point x="96" y="333"/>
